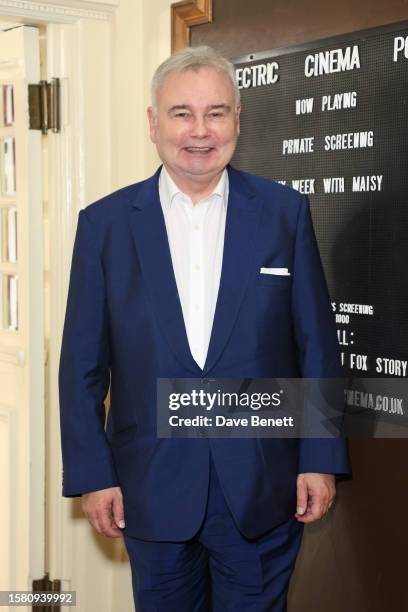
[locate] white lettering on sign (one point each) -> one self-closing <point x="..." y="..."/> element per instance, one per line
<point x="352" y="140"/>
<point x="333" y="184"/>
<point x="257" y="75"/>
<point x="367" y="183"/>
<point x="304" y="185"/>
<point x="339" y="101"/>
<point x="400" y="48"/>
<point x="304" y="106"/>
<point x="334" y="60"/>
<point x="293" y="146"/>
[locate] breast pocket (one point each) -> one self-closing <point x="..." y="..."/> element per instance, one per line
<point x="274" y="280"/>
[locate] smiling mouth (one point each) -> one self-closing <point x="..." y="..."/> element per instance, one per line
<point x="196" y="150"/>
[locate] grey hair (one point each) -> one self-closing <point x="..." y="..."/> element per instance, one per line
<point x="193" y="58"/>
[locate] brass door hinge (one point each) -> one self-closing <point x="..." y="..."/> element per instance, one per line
<point x="45" y="584"/>
<point x="44" y="106"/>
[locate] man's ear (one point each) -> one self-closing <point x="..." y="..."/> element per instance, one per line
<point x="152" y="117"/>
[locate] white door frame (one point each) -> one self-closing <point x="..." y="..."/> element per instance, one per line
<point x="79" y="171"/>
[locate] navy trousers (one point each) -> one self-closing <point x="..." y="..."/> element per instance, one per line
<point x="217" y="570"/>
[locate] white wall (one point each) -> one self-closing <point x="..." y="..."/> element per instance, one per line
<point x="141" y="40"/>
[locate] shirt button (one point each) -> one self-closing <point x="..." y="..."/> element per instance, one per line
<point x="197" y="227"/>
<point x="196" y="306"/>
<point x="197" y="267"/>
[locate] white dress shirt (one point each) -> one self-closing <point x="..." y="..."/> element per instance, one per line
<point x="196" y="238"/>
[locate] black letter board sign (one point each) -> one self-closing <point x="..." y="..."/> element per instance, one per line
<point x="331" y="119"/>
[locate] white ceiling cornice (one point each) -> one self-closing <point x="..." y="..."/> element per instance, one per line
<point x="62" y="11"/>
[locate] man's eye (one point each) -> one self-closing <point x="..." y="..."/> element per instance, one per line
<point x="182" y="114"/>
<point x="216" y="115"/>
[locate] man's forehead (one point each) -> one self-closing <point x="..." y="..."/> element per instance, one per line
<point x="175" y="95"/>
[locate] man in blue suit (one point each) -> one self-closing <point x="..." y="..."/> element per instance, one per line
<point x="199" y="271"/>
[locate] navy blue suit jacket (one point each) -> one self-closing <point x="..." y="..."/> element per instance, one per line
<point x="124" y="328"/>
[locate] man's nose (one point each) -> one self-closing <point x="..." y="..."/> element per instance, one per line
<point x="200" y="127"/>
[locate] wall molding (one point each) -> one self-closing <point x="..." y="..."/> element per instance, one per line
<point x="65" y="11"/>
<point x="185" y="15"/>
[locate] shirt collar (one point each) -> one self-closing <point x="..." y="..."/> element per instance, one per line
<point x="169" y="188"/>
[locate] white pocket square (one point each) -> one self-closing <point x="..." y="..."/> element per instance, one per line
<point x="277" y="271"/>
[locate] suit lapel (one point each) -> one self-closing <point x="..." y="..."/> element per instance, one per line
<point x="243" y="216"/>
<point x="152" y="246"/>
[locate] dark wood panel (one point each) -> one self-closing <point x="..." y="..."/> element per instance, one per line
<point x="185" y="15"/>
<point x="244" y="26"/>
<point x="354" y="559"/>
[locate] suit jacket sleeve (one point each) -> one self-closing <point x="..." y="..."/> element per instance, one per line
<point x="316" y="339"/>
<point x="84" y="374"/>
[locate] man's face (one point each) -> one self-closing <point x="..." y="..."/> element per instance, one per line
<point x="196" y="125"/>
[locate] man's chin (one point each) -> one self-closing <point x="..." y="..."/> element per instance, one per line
<point x="203" y="169"/>
<point x="197" y="171"/>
